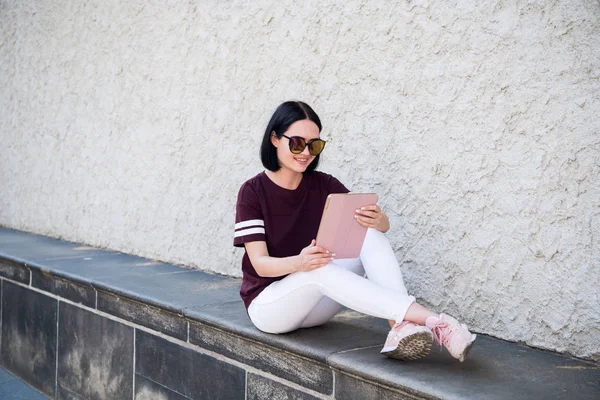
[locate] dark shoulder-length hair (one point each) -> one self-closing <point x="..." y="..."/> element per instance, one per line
<point x="284" y="116"/>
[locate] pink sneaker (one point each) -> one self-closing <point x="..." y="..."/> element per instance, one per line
<point x="454" y="336"/>
<point x="407" y="341"/>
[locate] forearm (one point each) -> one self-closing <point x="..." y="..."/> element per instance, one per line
<point x="310" y="257"/>
<point x="267" y="266"/>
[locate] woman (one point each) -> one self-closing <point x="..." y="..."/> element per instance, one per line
<point x="289" y="282"/>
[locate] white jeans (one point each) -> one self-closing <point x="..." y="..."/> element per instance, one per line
<point x="305" y="299"/>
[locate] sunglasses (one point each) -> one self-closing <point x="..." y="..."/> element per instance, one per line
<point x="298" y="144"/>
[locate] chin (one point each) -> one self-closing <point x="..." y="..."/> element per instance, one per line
<point x="298" y="170"/>
<point x="303" y="169"/>
<point x="297" y="167"/>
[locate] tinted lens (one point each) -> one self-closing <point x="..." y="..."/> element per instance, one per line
<point x="297" y="144"/>
<point x="315" y="147"/>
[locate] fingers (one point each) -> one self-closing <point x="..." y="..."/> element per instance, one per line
<point x="312" y="248"/>
<point x="365" y="223"/>
<point x="372" y="211"/>
<point x="316" y="260"/>
<point x="368" y="216"/>
<point x="369" y="222"/>
<point x="315" y="250"/>
<point x="370" y="207"/>
<point x="324" y="258"/>
<point x="319" y="262"/>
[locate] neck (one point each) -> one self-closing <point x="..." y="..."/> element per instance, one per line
<point x="285" y="178"/>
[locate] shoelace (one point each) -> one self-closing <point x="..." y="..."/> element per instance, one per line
<point x="442" y="332"/>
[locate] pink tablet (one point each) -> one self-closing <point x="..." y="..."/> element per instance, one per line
<point x="339" y="232"/>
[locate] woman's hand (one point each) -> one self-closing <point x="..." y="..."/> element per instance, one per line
<point x="312" y="257"/>
<point x="372" y="216"/>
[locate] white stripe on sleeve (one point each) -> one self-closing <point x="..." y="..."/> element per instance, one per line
<point x="252" y="222"/>
<point x="251" y="231"/>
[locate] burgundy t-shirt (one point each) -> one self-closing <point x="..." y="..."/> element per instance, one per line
<point x="286" y="219"/>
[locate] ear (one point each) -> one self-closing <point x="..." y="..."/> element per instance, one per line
<point x="274" y="139"/>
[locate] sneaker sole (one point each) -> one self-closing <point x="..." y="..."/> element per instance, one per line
<point x="467" y="349"/>
<point x="412" y="347"/>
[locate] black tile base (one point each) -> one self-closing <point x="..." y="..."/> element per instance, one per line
<point x="315" y="375"/>
<point x="95" y="355"/>
<point x="195" y="375"/>
<point x="348" y="387"/>
<point x="14" y="271"/>
<point x="29" y="336"/>
<point x="145" y="389"/>
<point x="261" y="388"/>
<point x="64" y="288"/>
<point x="63" y="393"/>
<point x="143" y="314"/>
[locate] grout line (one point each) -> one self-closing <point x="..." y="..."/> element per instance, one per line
<point x="1" y="297"/>
<point x="72" y="392"/>
<point x="166" y="387"/>
<point x="246" y="387"/>
<point x="188" y="329"/>
<point x="333" y="392"/>
<point x="56" y="368"/>
<point x="96" y="306"/>
<point x="133" y="384"/>
<point x="354" y="349"/>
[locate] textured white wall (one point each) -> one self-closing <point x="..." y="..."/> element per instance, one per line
<point x="131" y="125"/>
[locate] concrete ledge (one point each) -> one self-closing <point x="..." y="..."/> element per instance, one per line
<point x="79" y="322"/>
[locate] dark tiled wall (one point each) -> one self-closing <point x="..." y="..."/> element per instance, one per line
<point x="95" y="355"/>
<point x="69" y="352"/>
<point x="145" y="389"/>
<point x="29" y="335"/>
<point x="347" y="387"/>
<point x="186" y="371"/>
<point x="143" y="314"/>
<point x="64" y="288"/>
<point x="259" y="387"/>
<point x="305" y="373"/>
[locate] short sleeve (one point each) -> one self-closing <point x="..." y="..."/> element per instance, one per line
<point x="249" y="220"/>
<point x="335" y="186"/>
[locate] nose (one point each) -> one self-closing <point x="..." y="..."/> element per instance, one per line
<point x="306" y="151"/>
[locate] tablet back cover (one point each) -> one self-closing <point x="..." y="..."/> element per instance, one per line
<point x="339" y="232"/>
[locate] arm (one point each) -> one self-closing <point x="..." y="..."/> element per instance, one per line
<point x="310" y="257"/>
<point x="373" y="217"/>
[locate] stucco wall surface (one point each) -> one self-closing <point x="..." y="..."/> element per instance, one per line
<point x="130" y="125"/>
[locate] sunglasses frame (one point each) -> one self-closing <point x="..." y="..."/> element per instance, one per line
<point x="309" y="144"/>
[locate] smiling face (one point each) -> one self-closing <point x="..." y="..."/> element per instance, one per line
<point x="296" y="162"/>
